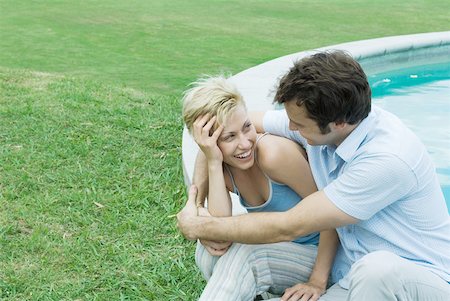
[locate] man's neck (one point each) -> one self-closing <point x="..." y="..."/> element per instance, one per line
<point x="345" y="132"/>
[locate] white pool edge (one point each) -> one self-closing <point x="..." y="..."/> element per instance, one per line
<point x="257" y="83"/>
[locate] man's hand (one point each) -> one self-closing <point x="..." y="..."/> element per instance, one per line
<point x="186" y="216"/>
<point x="215" y="248"/>
<point x="303" y="292"/>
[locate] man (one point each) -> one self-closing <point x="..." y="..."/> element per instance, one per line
<point x="377" y="187"/>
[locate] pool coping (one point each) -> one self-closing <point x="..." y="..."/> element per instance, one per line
<point x="257" y="83"/>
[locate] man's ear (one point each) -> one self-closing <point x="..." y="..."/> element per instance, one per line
<point x="338" y="125"/>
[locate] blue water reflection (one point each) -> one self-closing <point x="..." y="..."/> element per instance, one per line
<point x="420" y="96"/>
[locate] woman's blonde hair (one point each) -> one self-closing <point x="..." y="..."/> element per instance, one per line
<point x="214" y="95"/>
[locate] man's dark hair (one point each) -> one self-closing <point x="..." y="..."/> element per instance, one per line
<point x="331" y="86"/>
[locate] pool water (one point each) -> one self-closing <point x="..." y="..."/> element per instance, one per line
<point x="420" y="96"/>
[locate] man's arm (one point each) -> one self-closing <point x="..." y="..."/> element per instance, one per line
<point x="257" y="120"/>
<point x="314" y="213"/>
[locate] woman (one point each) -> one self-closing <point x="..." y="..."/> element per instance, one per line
<point x="268" y="173"/>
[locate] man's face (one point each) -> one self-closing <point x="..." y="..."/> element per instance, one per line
<point x="308" y="128"/>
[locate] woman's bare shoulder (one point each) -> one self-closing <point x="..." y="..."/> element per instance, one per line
<point x="275" y="150"/>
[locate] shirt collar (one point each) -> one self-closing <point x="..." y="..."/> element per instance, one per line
<point x="350" y="145"/>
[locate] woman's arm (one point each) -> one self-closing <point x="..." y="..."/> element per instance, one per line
<point x="219" y="201"/>
<point x="208" y="174"/>
<point x="200" y="178"/>
<point x="328" y="244"/>
<point x="317" y="283"/>
<point x="285" y="162"/>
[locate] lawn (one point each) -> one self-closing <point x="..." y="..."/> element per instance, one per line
<point x="90" y="127"/>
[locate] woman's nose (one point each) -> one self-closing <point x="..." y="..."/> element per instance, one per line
<point x="244" y="142"/>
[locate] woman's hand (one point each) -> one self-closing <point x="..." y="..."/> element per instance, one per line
<point x="303" y="292"/>
<point x="216" y="248"/>
<point x="208" y="143"/>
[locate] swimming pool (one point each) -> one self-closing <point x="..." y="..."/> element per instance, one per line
<point x="420" y="96"/>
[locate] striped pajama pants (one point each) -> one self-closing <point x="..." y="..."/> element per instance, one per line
<point x="245" y="271"/>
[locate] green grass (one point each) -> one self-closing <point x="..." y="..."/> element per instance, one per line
<point x="89" y="176"/>
<point x="160" y="46"/>
<point x="90" y="128"/>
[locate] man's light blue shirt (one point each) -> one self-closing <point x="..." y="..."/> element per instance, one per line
<point x="382" y="175"/>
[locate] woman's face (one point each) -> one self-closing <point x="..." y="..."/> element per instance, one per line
<point x="238" y="139"/>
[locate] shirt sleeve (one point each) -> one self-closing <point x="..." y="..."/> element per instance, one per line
<point x="276" y="122"/>
<point x="370" y="184"/>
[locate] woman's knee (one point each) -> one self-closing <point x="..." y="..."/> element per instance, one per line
<point x="236" y="256"/>
<point x="204" y="261"/>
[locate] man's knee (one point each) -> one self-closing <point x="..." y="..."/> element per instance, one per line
<point x="383" y="275"/>
<point x="376" y="267"/>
